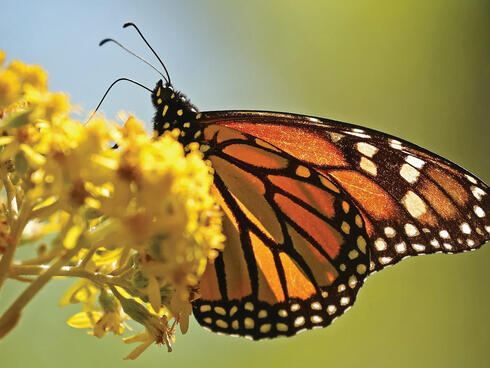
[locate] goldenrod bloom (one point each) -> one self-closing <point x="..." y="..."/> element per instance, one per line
<point x="136" y="224"/>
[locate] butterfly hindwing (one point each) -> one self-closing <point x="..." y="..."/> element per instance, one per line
<point x="296" y="251"/>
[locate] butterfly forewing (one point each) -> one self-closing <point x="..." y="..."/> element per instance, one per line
<point x="412" y="201"/>
<point x="296" y="251"/>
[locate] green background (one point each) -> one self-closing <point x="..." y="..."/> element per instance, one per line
<point x="416" y="69"/>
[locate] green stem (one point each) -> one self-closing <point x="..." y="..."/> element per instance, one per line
<point x="11" y="195"/>
<point x="15" y="232"/>
<point x="46" y="211"/>
<point x="88" y="256"/>
<point x="12" y="314"/>
<point x="97" y="278"/>
<point x="42" y="259"/>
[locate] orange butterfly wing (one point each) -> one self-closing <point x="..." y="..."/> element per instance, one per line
<point x="296" y="252"/>
<point x="412" y="201"/>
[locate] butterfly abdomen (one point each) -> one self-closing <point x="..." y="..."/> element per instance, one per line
<point x="175" y="111"/>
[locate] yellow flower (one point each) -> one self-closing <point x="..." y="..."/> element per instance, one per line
<point x="158" y="329"/>
<point x="83" y="291"/>
<point x="181" y="308"/>
<point x="84" y="319"/>
<point x="110" y="321"/>
<point x="113" y="317"/>
<point x="17" y="78"/>
<point x="10" y="88"/>
<point x="140" y="218"/>
<point x="145" y="338"/>
<point x="32" y="75"/>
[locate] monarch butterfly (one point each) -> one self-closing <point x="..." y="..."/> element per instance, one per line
<point x="312" y="207"/>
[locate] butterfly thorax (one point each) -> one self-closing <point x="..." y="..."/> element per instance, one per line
<point x="174" y="111"/>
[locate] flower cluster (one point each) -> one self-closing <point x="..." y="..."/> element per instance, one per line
<point x="136" y="224"/>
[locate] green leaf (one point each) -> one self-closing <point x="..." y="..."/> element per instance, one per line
<point x="21" y="164"/>
<point x="17" y="120"/>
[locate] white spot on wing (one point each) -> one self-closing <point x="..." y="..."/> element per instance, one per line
<point x="385" y="260"/>
<point x="335" y="137"/>
<point x="401" y="247"/>
<point x="316" y="319"/>
<point x="411" y="230"/>
<point x="435" y="243"/>
<point x="396" y="144"/>
<point x="299" y="321"/>
<point x="361" y="135"/>
<point x="366" y="149"/>
<point x="368" y="166"/>
<point x="465" y="228"/>
<point x="390" y="232"/>
<point x="478" y="193"/>
<point x="316" y="306"/>
<point x="478" y="211"/>
<point x="380" y="244"/>
<point x="282" y="313"/>
<point x="414" y="161"/>
<point x="344" y="300"/>
<point x="414" y="204"/>
<point x="444" y="234"/>
<point x="409" y="173"/>
<point x="352" y="281"/>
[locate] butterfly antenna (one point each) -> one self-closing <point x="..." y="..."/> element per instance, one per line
<point x="105" y="40"/>
<point x="108" y="89"/>
<point x="151" y="48"/>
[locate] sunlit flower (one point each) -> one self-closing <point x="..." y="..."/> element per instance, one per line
<point x="136" y="224"/>
<point x="110" y="321"/>
<point x="83" y="291"/>
<point x="113" y="317"/>
<point x="157" y="328"/>
<point x="9" y="87"/>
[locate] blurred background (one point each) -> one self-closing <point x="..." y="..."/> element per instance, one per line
<point x="416" y="69"/>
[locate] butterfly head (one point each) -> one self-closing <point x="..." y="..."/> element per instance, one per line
<point x="175" y="111"/>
